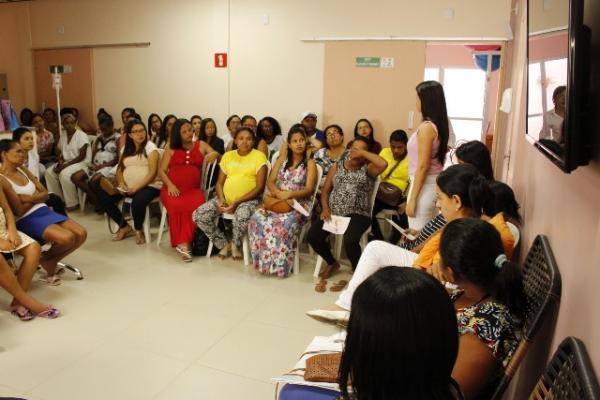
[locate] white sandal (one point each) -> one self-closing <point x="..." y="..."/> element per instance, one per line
<point x="186" y="255"/>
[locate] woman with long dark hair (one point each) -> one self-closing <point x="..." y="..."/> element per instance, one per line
<point x="154" y="124"/>
<point x="462" y="192"/>
<point x="208" y="133"/>
<point x="164" y="133"/>
<point x="273" y="235"/>
<point x="364" y="128"/>
<point x="426" y="153"/>
<point x="136" y="178"/>
<point x="476" y="154"/>
<point x="401" y="342"/>
<point x="181" y="173"/>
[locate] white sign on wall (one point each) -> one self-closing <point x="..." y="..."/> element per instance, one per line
<point x="387" y="62"/>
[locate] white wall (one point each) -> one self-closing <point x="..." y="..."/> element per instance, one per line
<point x="271" y="70"/>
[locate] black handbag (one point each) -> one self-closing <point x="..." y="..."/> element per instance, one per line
<point x="388" y="193"/>
<point x="200" y="243"/>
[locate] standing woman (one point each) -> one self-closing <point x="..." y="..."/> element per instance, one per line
<point x="154" y="123"/>
<point x="240" y="186"/>
<point x="181" y="173"/>
<point x="274" y="233"/>
<point x="426" y="153"/>
<point x="364" y="128"/>
<point x="73" y="148"/>
<point x="196" y="121"/>
<point x="164" y="133"/>
<point x="136" y="178"/>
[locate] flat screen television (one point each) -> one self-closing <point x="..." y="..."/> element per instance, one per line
<point x="558" y="85"/>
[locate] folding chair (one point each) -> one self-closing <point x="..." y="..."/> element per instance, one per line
<point x="305" y="226"/>
<point x="569" y="375"/>
<point x="542" y="286"/>
<point x="339" y="238"/>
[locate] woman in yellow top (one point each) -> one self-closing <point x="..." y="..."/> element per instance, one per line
<point x="239" y="188"/>
<point x="462" y="192"/>
<point x="396" y="174"/>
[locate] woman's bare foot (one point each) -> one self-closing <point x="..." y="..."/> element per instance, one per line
<point x="122" y="233"/>
<point x="236" y="253"/>
<point x="139" y="237"/>
<point x="224" y="253"/>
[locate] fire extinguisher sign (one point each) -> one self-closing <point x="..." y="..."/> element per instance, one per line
<point x="220" y="60"/>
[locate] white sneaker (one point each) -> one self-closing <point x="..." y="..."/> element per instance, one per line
<point x="331" y="316"/>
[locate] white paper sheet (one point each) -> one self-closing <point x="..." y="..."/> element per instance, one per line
<point x="401" y="230"/>
<point x="337" y="224"/>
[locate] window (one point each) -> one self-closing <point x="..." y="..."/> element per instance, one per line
<point x="465" y="93"/>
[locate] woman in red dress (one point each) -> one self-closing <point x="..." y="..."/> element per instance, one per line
<point x="181" y="173"/>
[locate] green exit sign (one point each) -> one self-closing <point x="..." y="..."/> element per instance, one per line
<point x="368" y="62"/>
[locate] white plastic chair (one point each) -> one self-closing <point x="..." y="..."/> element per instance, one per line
<point x="339" y="238"/>
<point x="245" y="244"/>
<point x="305" y="226"/>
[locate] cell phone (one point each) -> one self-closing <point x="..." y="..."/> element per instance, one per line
<point x="402" y="231"/>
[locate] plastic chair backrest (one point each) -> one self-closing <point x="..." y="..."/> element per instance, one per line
<point x="274" y="157"/>
<point x="208" y="170"/>
<point x="374" y="194"/>
<point x="542" y="287"/>
<point x="317" y="187"/>
<point x="569" y="375"/>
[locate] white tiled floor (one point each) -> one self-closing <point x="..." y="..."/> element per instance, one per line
<point x="142" y="325"/>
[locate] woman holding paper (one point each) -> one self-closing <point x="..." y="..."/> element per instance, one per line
<point x="347" y="193"/>
<point x="274" y="227"/>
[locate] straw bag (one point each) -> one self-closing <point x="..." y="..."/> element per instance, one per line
<point x="323" y="368"/>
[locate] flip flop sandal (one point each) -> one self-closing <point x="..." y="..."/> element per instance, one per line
<point x="23" y="313"/>
<point x="338" y="286"/>
<point x="186" y="256"/>
<point x="321" y="286"/>
<point x="50" y="313"/>
<point x="52" y="280"/>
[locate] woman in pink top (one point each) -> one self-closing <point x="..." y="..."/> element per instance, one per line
<point x="426" y="153"/>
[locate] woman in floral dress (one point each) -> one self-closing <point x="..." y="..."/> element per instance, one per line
<point x="273" y="235"/>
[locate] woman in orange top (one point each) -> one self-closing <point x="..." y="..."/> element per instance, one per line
<point x="462" y="192"/>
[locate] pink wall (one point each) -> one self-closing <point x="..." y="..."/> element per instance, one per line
<point x="457" y="55"/>
<point x="548" y="46"/>
<point x="565" y="207"/>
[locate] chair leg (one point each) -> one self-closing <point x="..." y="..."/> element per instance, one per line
<point x="209" y="251"/>
<point x="297" y="260"/>
<point x="81" y="195"/>
<point x="339" y="239"/>
<point x="161" y="227"/>
<point x="73" y="269"/>
<point x="318" y="267"/>
<point x="147" y="226"/>
<point x="246" y="250"/>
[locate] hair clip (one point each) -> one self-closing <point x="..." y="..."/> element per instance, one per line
<point x="500" y="260"/>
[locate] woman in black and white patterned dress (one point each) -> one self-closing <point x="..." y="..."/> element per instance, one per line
<point x="347" y="193"/>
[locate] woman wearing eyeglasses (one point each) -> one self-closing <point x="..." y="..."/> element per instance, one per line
<point x="136" y="178"/>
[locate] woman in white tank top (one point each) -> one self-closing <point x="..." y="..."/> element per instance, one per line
<point x="22" y="306"/>
<point x="26" y="197"/>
